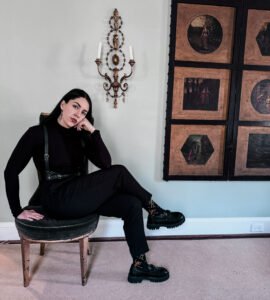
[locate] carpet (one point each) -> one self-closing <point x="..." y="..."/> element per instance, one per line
<point x="199" y="270"/>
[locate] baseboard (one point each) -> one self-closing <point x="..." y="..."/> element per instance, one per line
<point x="111" y="227"/>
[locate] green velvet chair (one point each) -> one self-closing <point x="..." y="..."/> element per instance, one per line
<point x="50" y="230"/>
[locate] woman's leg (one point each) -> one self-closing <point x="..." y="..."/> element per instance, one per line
<point x="83" y="195"/>
<point x="129" y="208"/>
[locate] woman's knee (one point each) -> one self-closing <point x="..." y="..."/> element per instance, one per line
<point x="119" y="169"/>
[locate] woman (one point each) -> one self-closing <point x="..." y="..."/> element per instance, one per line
<point x="58" y="147"/>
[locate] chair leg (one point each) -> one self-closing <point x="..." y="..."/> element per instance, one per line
<point x="83" y="256"/>
<point x="89" y="248"/>
<point x="42" y="249"/>
<point x="25" y="247"/>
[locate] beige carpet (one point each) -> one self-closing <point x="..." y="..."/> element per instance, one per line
<point x="200" y="269"/>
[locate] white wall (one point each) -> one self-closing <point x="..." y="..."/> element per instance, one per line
<point x="49" y="47"/>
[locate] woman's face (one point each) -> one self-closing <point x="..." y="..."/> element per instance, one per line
<point x="73" y="112"/>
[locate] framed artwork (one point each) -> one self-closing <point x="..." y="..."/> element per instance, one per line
<point x="253" y="151"/>
<point x="197" y="150"/>
<point x="204" y="33"/>
<point x="257" y="48"/>
<point x="218" y="100"/>
<point x="200" y="94"/>
<point x="255" y="96"/>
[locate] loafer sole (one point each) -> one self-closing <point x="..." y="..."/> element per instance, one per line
<point x="154" y="226"/>
<point x="137" y="279"/>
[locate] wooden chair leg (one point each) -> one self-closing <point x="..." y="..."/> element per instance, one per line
<point x="83" y="256"/>
<point x="89" y="248"/>
<point x="25" y="247"/>
<point x="42" y="249"/>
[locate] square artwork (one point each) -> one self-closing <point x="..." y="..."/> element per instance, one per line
<point x="197" y="150"/>
<point x="204" y="33"/>
<point x="200" y="93"/>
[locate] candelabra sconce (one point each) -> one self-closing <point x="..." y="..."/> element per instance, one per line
<point x="115" y="85"/>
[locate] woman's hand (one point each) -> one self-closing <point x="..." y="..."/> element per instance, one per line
<point x="85" y="125"/>
<point x="30" y="215"/>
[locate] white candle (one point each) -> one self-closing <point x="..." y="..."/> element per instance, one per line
<point x="99" y="50"/>
<point x="130" y="53"/>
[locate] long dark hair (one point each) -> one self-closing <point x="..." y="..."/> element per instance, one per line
<point x="71" y="95"/>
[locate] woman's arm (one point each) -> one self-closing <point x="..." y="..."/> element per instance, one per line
<point x="16" y="163"/>
<point x="96" y="151"/>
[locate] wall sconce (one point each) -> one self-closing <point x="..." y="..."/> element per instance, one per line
<point x="115" y="85"/>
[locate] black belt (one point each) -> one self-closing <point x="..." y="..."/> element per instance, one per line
<point x="51" y="175"/>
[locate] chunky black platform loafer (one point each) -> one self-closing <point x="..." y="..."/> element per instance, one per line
<point x="166" y="219"/>
<point x="145" y="271"/>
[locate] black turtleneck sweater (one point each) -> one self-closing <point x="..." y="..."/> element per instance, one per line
<point x="66" y="155"/>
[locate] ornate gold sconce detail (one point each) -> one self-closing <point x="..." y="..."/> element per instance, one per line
<point x="115" y="85"/>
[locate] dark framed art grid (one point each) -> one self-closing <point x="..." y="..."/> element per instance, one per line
<point x="218" y="99"/>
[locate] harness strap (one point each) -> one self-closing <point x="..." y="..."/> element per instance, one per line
<point x="46" y="149"/>
<point x="51" y="175"/>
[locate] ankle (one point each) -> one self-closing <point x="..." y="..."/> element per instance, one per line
<point x="140" y="259"/>
<point x="153" y="208"/>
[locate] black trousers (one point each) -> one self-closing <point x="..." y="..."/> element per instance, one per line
<point x="112" y="192"/>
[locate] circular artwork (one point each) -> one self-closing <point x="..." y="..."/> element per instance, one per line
<point x="260" y="97"/>
<point x="205" y="34"/>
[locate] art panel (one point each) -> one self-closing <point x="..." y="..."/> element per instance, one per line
<point x="204" y="33"/>
<point x="253" y="151"/>
<point x="255" y="96"/>
<point x="218" y="105"/>
<point x="200" y="94"/>
<point x="257" y="47"/>
<point x="197" y="150"/>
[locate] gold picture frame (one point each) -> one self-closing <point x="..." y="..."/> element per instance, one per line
<point x="252" y="151"/>
<point x="257" y="46"/>
<point x="255" y="96"/>
<point x="198" y="41"/>
<point x="197" y="150"/>
<point x="200" y="94"/>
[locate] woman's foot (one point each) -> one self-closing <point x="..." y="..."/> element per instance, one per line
<point x="166" y="219"/>
<point x="140" y="270"/>
<point x="159" y="217"/>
